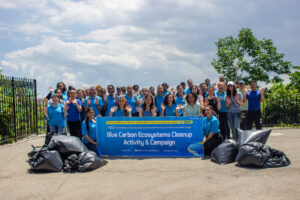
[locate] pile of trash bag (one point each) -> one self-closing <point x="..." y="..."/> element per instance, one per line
<point x="64" y="153"/>
<point x="249" y="150"/>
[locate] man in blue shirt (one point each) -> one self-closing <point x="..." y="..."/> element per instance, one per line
<point x="221" y="95"/>
<point x="190" y="84"/>
<point x="254" y="98"/>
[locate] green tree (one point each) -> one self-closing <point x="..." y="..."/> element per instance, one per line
<point x="247" y="58"/>
<point x="295" y="79"/>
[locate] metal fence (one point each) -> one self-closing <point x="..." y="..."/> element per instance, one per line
<point x="281" y="111"/>
<point x="18" y="108"/>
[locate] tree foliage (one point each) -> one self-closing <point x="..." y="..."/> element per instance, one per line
<point x="247" y="58"/>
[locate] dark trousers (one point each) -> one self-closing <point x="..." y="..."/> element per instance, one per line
<point x="212" y="143"/>
<point x="224" y="129"/>
<point x="243" y="124"/>
<point x="75" y="128"/>
<point x="92" y="147"/>
<point x="256" y="117"/>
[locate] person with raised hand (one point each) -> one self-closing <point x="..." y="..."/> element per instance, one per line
<point x="192" y="108"/>
<point x="254" y="97"/>
<point x="213" y="101"/>
<point x="121" y="110"/>
<point x="110" y="100"/>
<point x="55" y="114"/>
<point x="180" y="99"/>
<point x="147" y="109"/>
<point x="221" y="93"/>
<point x="132" y="100"/>
<point x="73" y="107"/>
<point x="169" y="106"/>
<point x="93" y="101"/>
<point x="233" y="103"/>
<point x="89" y="131"/>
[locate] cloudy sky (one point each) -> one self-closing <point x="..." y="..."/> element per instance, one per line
<point x="120" y="42"/>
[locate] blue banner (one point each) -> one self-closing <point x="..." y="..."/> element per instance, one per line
<point x="150" y="136"/>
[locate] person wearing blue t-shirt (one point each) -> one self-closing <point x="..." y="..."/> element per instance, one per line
<point x="211" y="129"/>
<point x="180" y="99"/>
<point x="254" y="98"/>
<point x="73" y="107"/>
<point x="221" y="95"/>
<point x="190" y="85"/>
<point x="207" y="81"/>
<point x="55" y="114"/>
<point x="89" y="131"/>
<point x="147" y="109"/>
<point x="165" y="88"/>
<point x="110" y="100"/>
<point x="132" y="101"/>
<point x="121" y="110"/>
<point x="159" y="99"/>
<point x="93" y="101"/>
<point x="169" y="106"/>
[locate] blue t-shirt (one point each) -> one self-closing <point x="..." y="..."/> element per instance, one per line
<point x="56" y="115"/>
<point x="131" y="102"/>
<point x="65" y="95"/>
<point x="180" y="101"/>
<point x="170" y="111"/>
<point x="165" y="92"/>
<point x="158" y="102"/>
<point x="253" y="100"/>
<point x="91" y="132"/>
<point x="73" y="113"/>
<point x="119" y="113"/>
<point x="146" y="113"/>
<point x="211" y="125"/>
<point x="187" y="91"/>
<point x="223" y="105"/>
<point x="93" y="104"/>
<point x="110" y="103"/>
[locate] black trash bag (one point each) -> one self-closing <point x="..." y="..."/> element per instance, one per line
<point x="49" y="136"/>
<point x="88" y="161"/>
<point x="246" y="136"/>
<point x="71" y="163"/>
<point x="44" y="160"/>
<point x="67" y="145"/>
<point x="253" y="154"/>
<point x="277" y="159"/>
<point x="226" y="152"/>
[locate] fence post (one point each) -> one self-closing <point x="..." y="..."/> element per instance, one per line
<point x="36" y="105"/>
<point x="14" y="107"/>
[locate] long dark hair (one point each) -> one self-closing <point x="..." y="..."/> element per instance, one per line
<point x="87" y="119"/>
<point x="166" y="99"/>
<point x="195" y="96"/>
<point x="152" y="103"/>
<point x="228" y="92"/>
<point x="64" y="89"/>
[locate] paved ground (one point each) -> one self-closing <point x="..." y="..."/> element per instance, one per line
<point x="154" y="178"/>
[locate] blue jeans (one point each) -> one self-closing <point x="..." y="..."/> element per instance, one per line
<point x="92" y="147"/>
<point x="56" y="129"/>
<point x="234" y="123"/>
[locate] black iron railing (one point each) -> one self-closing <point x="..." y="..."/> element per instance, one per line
<point x="18" y="108"/>
<point x="281" y="111"/>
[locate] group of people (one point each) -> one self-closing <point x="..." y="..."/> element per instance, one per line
<point x="225" y="106"/>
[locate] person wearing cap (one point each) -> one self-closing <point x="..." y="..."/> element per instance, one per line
<point x="254" y="98"/>
<point x="233" y="103"/>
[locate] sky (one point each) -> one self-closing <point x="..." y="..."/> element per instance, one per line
<point x="145" y="42"/>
